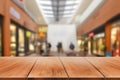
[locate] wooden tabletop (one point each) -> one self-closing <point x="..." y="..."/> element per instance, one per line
<point x="109" y="67"/>
<point x="48" y="68"/>
<point x="59" y="68"/>
<point x="15" y="68"/>
<point x="79" y="68"/>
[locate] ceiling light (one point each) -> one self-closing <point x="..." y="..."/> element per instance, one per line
<point x="47" y="2"/>
<point x="51" y="12"/>
<point x="67" y="15"/>
<point x="72" y="1"/>
<point x="49" y="15"/>
<point x="69" y="11"/>
<point x="46" y="7"/>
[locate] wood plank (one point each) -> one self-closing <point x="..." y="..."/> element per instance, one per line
<point x="15" y="68"/>
<point x="109" y="67"/>
<point x="48" y="68"/>
<point x="79" y="69"/>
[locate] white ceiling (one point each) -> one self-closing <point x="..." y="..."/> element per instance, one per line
<point x="83" y="9"/>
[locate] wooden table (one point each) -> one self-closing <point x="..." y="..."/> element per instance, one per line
<point x="109" y="67"/>
<point x="78" y="68"/>
<point x="15" y="68"/>
<point x="59" y="68"/>
<point x="48" y="68"/>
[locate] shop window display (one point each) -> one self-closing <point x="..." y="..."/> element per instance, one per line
<point x="80" y="45"/>
<point x="21" y="47"/>
<point x="13" y="39"/>
<point x="115" y="41"/>
<point x="99" y="47"/>
<point x="30" y="42"/>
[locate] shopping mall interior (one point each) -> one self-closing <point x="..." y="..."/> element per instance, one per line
<point x="84" y="28"/>
<point x="59" y="39"/>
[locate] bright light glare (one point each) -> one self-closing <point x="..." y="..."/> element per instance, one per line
<point x="48" y="2"/>
<point x="70" y="7"/>
<point x="72" y="1"/>
<point x="49" y="15"/>
<point x="67" y="15"/>
<point x="46" y="7"/>
<point x="65" y="12"/>
<point x="51" y="12"/>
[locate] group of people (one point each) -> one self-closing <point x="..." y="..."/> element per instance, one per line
<point x="59" y="48"/>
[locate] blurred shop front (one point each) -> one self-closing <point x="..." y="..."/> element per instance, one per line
<point x="97" y="44"/>
<point x="30" y="42"/>
<point x="115" y="38"/>
<point x="22" y="40"/>
<point x="41" y="39"/>
<point x="16" y="30"/>
<point x="93" y="43"/>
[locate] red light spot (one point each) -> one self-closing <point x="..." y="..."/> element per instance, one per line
<point x="20" y="0"/>
<point x="91" y="34"/>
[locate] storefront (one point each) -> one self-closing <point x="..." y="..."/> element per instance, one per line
<point x="21" y="41"/>
<point x="13" y="43"/>
<point x="115" y="38"/>
<point x="13" y="28"/>
<point x="84" y="46"/>
<point x="1" y="48"/>
<point x="30" y="42"/>
<point x="17" y="40"/>
<point x="80" y="42"/>
<point x="99" y="44"/>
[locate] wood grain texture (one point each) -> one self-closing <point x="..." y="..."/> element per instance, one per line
<point x="109" y="67"/>
<point x="55" y="68"/>
<point x="79" y="69"/>
<point x="48" y="68"/>
<point x="15" y="68"/>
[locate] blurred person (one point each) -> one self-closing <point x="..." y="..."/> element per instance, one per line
<point x="41" y="49"/>
<point x="48" y="48"/>
<point x="71" y="47"/>
<point x="59" y="47"/>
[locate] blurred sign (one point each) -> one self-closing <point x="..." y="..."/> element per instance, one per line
<point x="28" y="34"/>
<point x="42" y="34"/>
<point x="91" y="34"/>
<point x="20" y="1"/>
<point x="14" y="13"/>
<point x="43" y="29"/>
